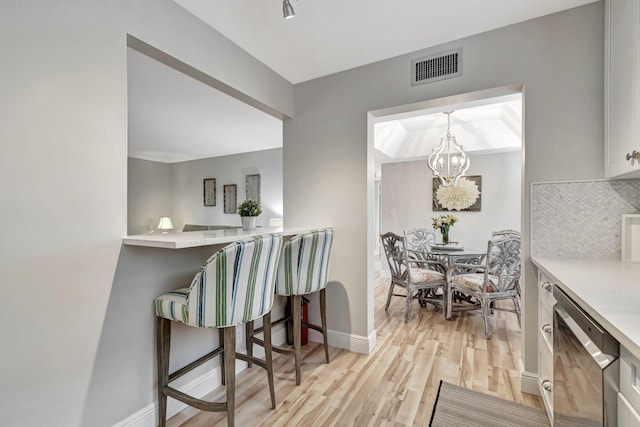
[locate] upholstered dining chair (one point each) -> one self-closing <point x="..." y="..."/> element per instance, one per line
<point x="421" y="278"/>
<point x="236" y="285"/>
<point x="496" y="279"/>
<point x="302" y="270"/>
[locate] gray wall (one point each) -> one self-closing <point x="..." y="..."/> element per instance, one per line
<point x="148" y="194"/>
<point x="186" y="178"/>
<point x="63" y="173"/>
<point x="406" y="199"/>
<point x="156" y="189"/>
<point x="558" y="59"/>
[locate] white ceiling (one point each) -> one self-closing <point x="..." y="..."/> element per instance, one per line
<point x="173" y="117"/>
<point x="328" y="36"/>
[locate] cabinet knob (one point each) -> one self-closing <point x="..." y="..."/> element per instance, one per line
<point x="546" y="384"/>
<point x="633" y="156"/>
<point x="547" y="328"/>
<point x="547" y="286"/>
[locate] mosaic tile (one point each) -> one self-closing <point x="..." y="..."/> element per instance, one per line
<point x="581" y="219"/>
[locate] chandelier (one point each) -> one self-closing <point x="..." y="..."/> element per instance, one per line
<point x="448" y="161"/>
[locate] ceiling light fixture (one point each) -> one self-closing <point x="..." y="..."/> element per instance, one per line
<point x="448" y="161"/>
<point x="287" y="10"/>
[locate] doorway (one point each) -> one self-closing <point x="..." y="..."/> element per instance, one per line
<point x="488" y="124"/>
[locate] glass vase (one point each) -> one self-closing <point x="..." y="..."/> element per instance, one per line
<point x="445" y="235"/>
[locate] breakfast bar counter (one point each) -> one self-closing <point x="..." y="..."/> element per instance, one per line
<point x="194" y="239"/>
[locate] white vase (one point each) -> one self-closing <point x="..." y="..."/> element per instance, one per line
<point x="249" y="222"/>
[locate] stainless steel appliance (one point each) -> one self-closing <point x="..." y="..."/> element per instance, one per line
<point x="585" y="368"/>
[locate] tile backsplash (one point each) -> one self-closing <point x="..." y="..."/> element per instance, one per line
<point x="581" y="219"/>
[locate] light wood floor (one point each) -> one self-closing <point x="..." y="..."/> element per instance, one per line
<point x="394" y="386"/>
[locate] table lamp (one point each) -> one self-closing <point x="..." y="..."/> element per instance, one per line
<point x="165" y="224"/>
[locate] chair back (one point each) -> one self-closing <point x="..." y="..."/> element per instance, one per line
<point x="236" y="284"/>
<point x="396" y="253"/>
<point x="505" y="232"/>
<point x="503" y="261"/>
<point x="419" y="239"/>
<point x="304" y="265"/>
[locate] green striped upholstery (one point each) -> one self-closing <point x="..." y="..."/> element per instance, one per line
<point x="304" y="264"/>
<point x="234" y="286"/>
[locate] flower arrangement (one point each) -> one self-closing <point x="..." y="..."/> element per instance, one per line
<point x="249" y="208"/>
<point x="460" y="197"/>
<point x="443" y="223"/>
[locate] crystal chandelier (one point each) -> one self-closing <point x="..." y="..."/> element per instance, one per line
<point x="448" y="161"/>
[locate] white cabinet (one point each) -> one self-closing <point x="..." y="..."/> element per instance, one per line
<point x="622" y="88"/>
<point x="545" y="342"/>
<point x="629" y="395"/>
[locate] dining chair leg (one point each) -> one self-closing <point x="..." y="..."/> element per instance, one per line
<point x="517" y="310"/>
<point x="222" y="370"/>
<point x="268" y="356"/>
<point x="323" y="318"/>
<point x="407" y="310"/>
<point x="163" y="343"/>
<point x="296" y="312"/>
<point x="486" y="309"/>
<point x="386" y="306"/>
<point x="248" y="334"/>
<point x="230" y="372"/>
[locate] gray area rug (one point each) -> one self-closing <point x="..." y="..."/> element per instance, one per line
<point x="456" y="406"/>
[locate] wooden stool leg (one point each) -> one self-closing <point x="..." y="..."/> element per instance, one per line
<point x="323" y="318"/>
<point x="248" y="335"/>
<point x="289" y="322"/>
<point x="222" y="370"/>
<point x="163" y="344"/>
<point x="230" y="372"/>
<point x="296" y="312"/>
<point x="268" y="356"/>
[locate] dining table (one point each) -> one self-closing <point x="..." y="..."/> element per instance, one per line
<point x="450" y="255"/>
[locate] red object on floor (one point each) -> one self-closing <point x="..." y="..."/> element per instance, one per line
<point x="304" y="333"/>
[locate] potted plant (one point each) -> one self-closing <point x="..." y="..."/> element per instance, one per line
<point x="249" y="211"/>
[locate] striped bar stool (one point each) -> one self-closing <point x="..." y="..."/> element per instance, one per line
<point x="302" y="270"/>
<point x="235" y="285"/>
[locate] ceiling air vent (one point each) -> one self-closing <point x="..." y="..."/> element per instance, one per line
<point x="439" y="66"/>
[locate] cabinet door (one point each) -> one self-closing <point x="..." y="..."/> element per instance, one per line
<point x="622" y="87"/>
<point x="627" y="416"/>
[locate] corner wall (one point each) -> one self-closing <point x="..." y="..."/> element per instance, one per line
<point x="559" y="59"/>
<point x="63" y="179"/>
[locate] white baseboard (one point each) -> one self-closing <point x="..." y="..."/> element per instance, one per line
<point x="356" y="343"/>
<point x="529" y="383"/>
<point x="198" y="386"/>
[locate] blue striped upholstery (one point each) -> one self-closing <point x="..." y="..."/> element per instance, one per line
<point x="304" y="264"/>
<point x="234" y="286"/>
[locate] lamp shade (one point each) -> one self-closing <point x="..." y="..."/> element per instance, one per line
<point x="276" y="222"/>
<point x="165" y="224"/>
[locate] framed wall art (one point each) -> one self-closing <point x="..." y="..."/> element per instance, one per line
<point x="466" y="196"/>
<point x="209" y="189"/>
<point x="230" y="198"/>
<point x="253" y="187"/>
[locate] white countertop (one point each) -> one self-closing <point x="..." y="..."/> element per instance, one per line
<point x="193" y="239"/>
<point x="608" y="290"/>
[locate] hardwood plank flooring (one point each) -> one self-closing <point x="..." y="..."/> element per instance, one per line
<point x="394" y="386"/>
